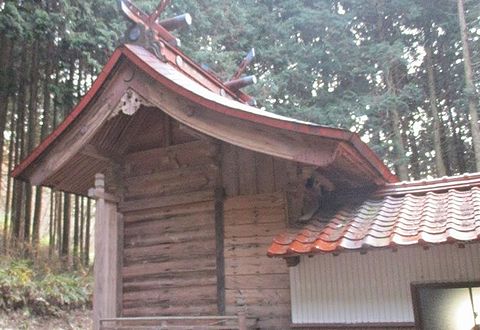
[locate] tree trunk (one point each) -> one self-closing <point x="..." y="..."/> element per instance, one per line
<point x="66" y="228"/>
<point x="18" y="186"/>
<point x="398" y="146"/>
<point x="76" y="231"/>
<point x="469" y="85"/>
<point x="58" y="221"/>
<point x="51" y="228"/>
<point x="437" y="134"/>
<point x="6" y="51"/>
<point x="32" y="134"/>
<point x="9" y="182"/>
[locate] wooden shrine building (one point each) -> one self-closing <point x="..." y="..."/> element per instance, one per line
<point x="192" y="184"/>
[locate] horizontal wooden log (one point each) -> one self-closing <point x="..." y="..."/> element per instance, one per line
<point x="171" y="250"/>
<point x="177" y="295"/>
<point x="199" y="309"/>
<point x="177" y="266"/>
<point x="171" y="175"/>
<point x="254" y="265"/>
<point x="180" y="199"/>
<point x="263" y="311"/>
<point x="257" y="297"/>
<point x="273" y="200"/>
<point x="260" y="230"/>
<point x="168" y="303"/>
<point x="170" y="158"/>
<point x="245" y="250"/>
<point x="185" y="276"/>
<point x="266" y="281"/>
<point x="179" y="237"/>
<point x="171" y="224"/>
<point x="168" y="211"/>
<point x="169" y="279"/>
<point x="165" y="257"/>
<point x="255" y="216"/>
<point x="171" y="186"/>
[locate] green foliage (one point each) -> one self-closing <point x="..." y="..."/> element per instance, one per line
<point x="42" y="292"/>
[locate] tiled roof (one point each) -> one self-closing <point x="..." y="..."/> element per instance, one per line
<point x="422" y="212"/>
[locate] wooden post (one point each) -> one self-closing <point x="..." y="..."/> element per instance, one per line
<point x="106" y="264"/>
<point x="242" y="321"/>
<point x="219" y="247"/>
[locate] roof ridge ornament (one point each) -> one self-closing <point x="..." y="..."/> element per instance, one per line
<point x="147" y="31"/>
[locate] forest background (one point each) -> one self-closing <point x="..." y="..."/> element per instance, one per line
<point x="404" y="74"/>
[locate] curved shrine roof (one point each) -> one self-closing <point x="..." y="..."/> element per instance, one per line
<point x="182" y="76"/>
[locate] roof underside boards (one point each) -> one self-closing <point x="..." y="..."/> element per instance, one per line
<point x="390" y="219"/>
<point x="339" y="152"/>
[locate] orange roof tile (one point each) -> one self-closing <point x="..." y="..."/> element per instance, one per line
<point x="425" y="212"/>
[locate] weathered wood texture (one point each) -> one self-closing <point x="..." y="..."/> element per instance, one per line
<point x="245" y="172"/>
<point x="256" y="284"/>
<point x="107" y="255"/>
<point x="169" y="263"/>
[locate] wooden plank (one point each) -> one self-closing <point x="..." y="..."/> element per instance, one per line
<point x="259" y="201"/>
<point x="247" y="174"/>
<point x="265" y="281"/>
<point x="190" y="236"/>
<point x="260" y="230"/>
<point x="198" y="309"/>
<point x="176" y="265"/>
<point x="176" y="255"/>
<point x="254" y="265"/>
<point x="265" y="311"/>
<point x="174" y="186"/>
<point x="135" y="183"/>
<point x="168" y="211"/>
<point x="170" y="158"/>
<point x="230" y="171"/>
<point x="264" y="173"/>
<point x="258" y="297"/>
<point x="193" y="197"/>
<point x="246" y="250"/>
<point x="219" y="247"/>
<point x="255" y="216"/>
<point x="247" y="241"/>
<point x="170" y="279"/>
<point x="172" y="250"/>
<point x="170" y="224"/>
<point x="280" y="173"/>
<point x="177" y="295"/>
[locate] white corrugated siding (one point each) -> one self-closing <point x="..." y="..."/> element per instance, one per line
<point x="374" y="287"/>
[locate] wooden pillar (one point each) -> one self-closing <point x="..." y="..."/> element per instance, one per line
<point x="106" y="294"/>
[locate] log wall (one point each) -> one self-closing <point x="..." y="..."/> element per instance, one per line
<point x="254" y="212"/>
<point x="169" y="265"/>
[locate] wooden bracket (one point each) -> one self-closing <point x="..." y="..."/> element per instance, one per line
<point x="129" y="103"/>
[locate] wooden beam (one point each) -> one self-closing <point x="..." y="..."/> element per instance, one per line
<point x="107" y="258"/>
<point x="219" y="245"/>
<point x="249" y="135"/>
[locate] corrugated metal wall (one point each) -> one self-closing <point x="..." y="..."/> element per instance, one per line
<point x="374" y="287"/>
